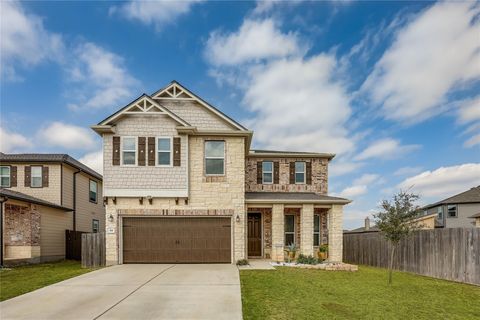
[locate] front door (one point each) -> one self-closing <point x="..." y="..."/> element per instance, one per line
<point x="254" y="235"/>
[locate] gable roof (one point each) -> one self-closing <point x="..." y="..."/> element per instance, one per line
<point x="469" y="196"/>
<point x="293" y="154"/>
<point x="143" y="105"/>
<point x="171" y="92"/>
<point x="10" y="194"/>
<point x="49" y="157"/>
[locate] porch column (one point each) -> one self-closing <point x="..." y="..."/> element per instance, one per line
<point x="278" y="220"/>
<point x="335" y="233"/>
<point x="306" y="230"/>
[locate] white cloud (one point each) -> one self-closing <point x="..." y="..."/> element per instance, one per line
<point x="100" y="78"/>
<point x="386" y="149"/>
<point x="469" y="110"/>
<point x="25" y="41"/>
<point x="93" y="160"/>
<point x="254" y="41"/>
<point x="156" y="13"/>
<point x="339" y="168"/>
<point x="444" y="181"/>
<point x="367" y="179"/>
<point x="67" y="136"/>
<point x="13" y="142"/>
<point x="430" y="57"/>
<point x="353" y="191"/>
<point x="473" y="141"/>
<point x="407" y="171"/>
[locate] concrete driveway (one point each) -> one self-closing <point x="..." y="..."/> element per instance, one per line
<point x="131" y="291"/>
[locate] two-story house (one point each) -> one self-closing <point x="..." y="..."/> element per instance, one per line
<point x="43" y="195"/>
<point x="182" y="185"/>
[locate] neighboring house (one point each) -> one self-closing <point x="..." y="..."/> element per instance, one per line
<point x="44" y="195"/>
<point x="458" y="210"/>
<point x="182" y="185"/>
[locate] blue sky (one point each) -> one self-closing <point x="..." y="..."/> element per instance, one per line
<point x="393" y="88"/>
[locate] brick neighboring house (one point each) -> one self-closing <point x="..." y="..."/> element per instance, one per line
<point x="182" y="185"/>
<point x="43" y="195"/>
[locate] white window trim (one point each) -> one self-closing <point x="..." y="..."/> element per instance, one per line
<point x="205" y="158"/>
<point x="319" y="232"/>
<point x="263" y="177"/>
<point x="121" y="151"/>
<point x="289" y="232"/>
<point x="9" y="176"/>
<point x="156" y="152"/>
<point x="90" y="190"/>
<point x="456" y="211"/>
<point x="31" y="177"/>
<point x="98" y="222"/>
<point x="304" y="172"/>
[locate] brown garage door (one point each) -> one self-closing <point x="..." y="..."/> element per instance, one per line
<point x="176" y="240"/>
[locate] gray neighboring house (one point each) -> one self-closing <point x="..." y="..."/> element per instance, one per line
<point x="458" y="211"/>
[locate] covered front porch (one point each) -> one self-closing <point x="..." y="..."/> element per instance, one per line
<point x="307" y="220"/>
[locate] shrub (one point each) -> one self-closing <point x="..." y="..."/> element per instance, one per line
<point x="303" y="259"/>
<point x="242" y="262"/>
<point x="323" y="248"/>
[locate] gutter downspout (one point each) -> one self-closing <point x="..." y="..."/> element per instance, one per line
<point x="75" y="200"/>
<point x="2" y="200"/>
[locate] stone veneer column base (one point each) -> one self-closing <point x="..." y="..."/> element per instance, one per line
<point x="306" y="230"/>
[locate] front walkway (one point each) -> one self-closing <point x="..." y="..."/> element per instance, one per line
<point x="136" y="292"/>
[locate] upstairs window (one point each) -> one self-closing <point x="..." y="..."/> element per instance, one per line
<point x="93" y="191"/>
<point x="316" y="230"/>
<point x="129" y="151"/>
<point x="36" y="180"/>
<point x="452" y="210"/>
<point x="214" y="158"/>
<point x="299" y="172"/>
<point x="267" y="172"/>
<point x="289" y="229"/>
<point x="440" y="212"/>
<point x="5" y="177"/>
<point x="164" y="151"/>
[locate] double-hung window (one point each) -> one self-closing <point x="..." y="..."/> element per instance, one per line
<point x="289" y="229"/>
<point x="95" y="226"/>
<point x="129" y="151"/>
<point x="214" y="158"/>
<point x="36" y="179"/>
<point x="93" y="191"/>
<point x="5" y="177"/>
<point x="299" y="172"/>
<point x="164" y="151"/>
<point x="440" y="212"/>
<point x="316" y="230"/>
<point x="267" y="172"/>
<point x="452" y="210"/>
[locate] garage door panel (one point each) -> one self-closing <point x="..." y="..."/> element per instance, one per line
<point x="176" y="240"/>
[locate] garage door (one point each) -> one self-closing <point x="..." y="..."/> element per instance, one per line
<point x="176" y="240"/>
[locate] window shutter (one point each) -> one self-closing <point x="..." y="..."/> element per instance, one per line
<point x="141" y="150"/>
<point x="28" y="175"/>
<point x="176" y="152"/>
<point x="44" y="177"/>
<point x="292" y="172"/>
<point x="151" y="151"/>
<point x="13" y="176"/>
<point x="308" y="172"/>
<point x="276" y="172"/>
<point x="116" y="151"/>
<point x="259" y="172"/>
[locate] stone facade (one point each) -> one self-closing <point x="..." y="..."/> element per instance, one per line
<point x="206" y="197"/>
<point x="335" y="233"/>
<point x="319" y="176"/>
<point x="22" y="231"/>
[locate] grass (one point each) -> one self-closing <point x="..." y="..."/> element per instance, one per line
<point x="292" y="293"/>
<point x="23" y="279"/>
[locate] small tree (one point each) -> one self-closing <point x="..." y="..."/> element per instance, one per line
<point x="395" y="221"/>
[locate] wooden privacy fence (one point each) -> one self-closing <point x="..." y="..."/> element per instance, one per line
<point x="73" y="245"/>
<point x="452" y="254"/>
<point x="93" y="250"/>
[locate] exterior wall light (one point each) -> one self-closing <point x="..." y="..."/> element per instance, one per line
<point x="110" y="217"/>
<point x="237" y="218"/>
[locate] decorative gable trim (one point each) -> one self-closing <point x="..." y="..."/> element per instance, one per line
<point x="143" y="105"/>
<point x="175" y="91"/>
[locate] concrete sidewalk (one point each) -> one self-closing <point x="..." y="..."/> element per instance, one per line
<point x="136" y="292"/>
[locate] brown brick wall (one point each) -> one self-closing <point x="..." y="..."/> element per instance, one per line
<point x="22" y="225"/>
<point x="319" y="176"/>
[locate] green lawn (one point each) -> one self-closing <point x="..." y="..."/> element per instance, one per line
<point x="20" y="280"/>
<point x="291" y="293"/>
